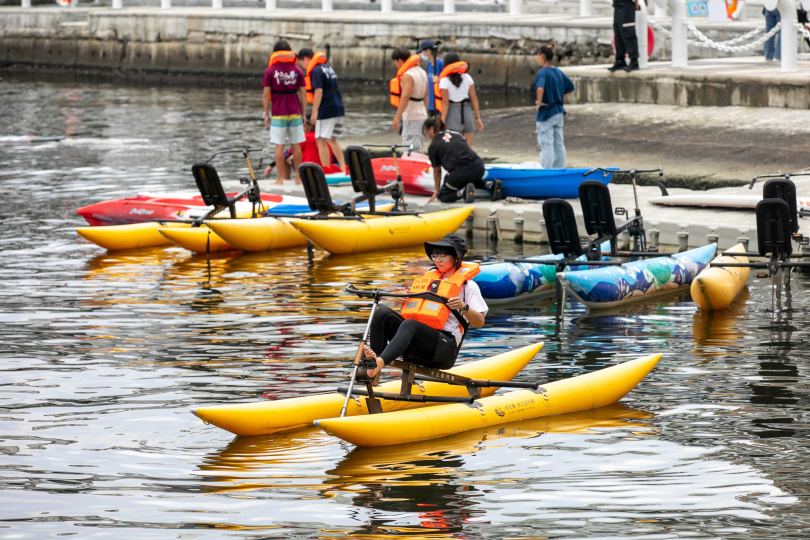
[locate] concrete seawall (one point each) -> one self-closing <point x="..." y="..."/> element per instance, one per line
<point x="500" y="48"/>
<point x="239" y="41"/>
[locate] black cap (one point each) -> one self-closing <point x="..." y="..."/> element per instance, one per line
<point x="450" y="241"/>
<point x="427" y="44"/>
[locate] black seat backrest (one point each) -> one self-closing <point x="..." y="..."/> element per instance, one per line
<point x="597" y="209"/>
<point x="774" y="228"/>
<point x="785" y="189"/>
<point x="316" y="188"/>
<point x="561" y="227"/>
<point x="210" y="186"/>
<point x="361" y="171"/>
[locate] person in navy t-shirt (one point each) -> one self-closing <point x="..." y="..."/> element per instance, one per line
<point x="327" y="107"/>
<point x="552" y="86"/>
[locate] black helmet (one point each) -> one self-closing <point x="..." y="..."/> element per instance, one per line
<point x="450" y="242"/>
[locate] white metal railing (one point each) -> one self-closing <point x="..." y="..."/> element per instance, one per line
<point x="681" y="28"/>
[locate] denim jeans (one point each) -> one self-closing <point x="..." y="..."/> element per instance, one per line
<point x="773" y="47"/>
<point x="552" y="145"/>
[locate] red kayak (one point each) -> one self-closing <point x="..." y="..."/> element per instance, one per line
<point x="417" y="174"/>
<point x="144" y="208"/>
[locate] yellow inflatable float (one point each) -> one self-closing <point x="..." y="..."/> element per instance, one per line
<point x="267" y="417"/>
<point x="716" y="287"/>
<point x="356" y="236"/>
<point x="261" y="234"/>
<point x="197" y="239"/>
<point x="132" y="236"/>
<point x="590" y="391"/>
<point x="267" y="233"/>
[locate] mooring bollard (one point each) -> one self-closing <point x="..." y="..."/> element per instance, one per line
<point x="712" y="237"/>
<point x="654" y="234"/>
<point x="805" y="253"/>
<point x="469" y="225"/>
<point x="518" y="229"/>
<point x="492" y="227"/>
<point x="744" y="241"/>
<point x="683" y="240"/>
<point x="623" y="241"/>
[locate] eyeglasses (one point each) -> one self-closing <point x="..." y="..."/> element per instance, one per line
<point x="436" y="257"/>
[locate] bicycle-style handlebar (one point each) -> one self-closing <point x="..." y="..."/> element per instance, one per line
<point x="392" y="147"/>
<point x="378" y="293"/>
<point x="786" y="176"/>
<point x="659" y="170"/>
<point x="243" y="151"/>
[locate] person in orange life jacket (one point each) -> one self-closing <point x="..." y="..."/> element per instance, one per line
<point x="283" y="90"/>
<point x="411" y="101"/>
<point x="392" y="335"/>
<point x="460" y="110"/>
<point x="309" y="154"/>
<point x="465" y="170"/>
<point x="434" y="65"/>
<point x="327" y="104"/>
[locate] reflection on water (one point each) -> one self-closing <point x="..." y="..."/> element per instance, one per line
<point x="103" y="355"/>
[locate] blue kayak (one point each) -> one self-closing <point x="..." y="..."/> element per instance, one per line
<point x="293" y="209"/>
<point x="528" y="182"/>
<point x="612" y="286"/>
<point x="334" y="179"/>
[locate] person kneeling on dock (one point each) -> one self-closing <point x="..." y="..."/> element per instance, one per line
<point x="465" y="170"/>
<point x="427" y="332"/>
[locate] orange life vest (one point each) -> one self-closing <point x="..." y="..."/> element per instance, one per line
<point x="394" y="85"/>
<point x="282" y="57"/>
<point x="319" y="58"/>
<point x="455" y="67"/>
<point x="731" y="7"/>
<point x="431" y="312"/>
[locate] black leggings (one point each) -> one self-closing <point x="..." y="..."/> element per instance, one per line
<point x="459" y="178"/>
<point x="393" y="336"/>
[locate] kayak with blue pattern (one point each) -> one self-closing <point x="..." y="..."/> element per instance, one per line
<point x="612" y="286"/>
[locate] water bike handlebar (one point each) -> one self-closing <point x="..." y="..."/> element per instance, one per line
<point x="243" y="151"/>
<point x="393" y="147"/>
<point x="378" y="293"/>
<point x="786" y="176"/>
<point x="659" y="170"/>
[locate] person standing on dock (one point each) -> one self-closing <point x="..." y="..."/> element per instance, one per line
<point x="772" y="48"/>
<point x="283" y="89"/>
<point x="327" y="104"/>
<point x="459" y="108"/>
<point x="552" y="85"/>
<point x="427" y="51"/>
<point x="409" y="94"/>
<point x="624" y="34"/>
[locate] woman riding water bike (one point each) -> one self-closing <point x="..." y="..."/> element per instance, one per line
<point x="426" y="332"/>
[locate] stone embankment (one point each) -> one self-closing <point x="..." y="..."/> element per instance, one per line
<point x="500" y="48"/>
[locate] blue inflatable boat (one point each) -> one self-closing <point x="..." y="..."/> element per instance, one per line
<point x="527" y="182"/>
<point x="505" y="282"/>
<point x="612" y="286"/>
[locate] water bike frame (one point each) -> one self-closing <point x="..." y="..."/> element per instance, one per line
<point x="411" y="372"/>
